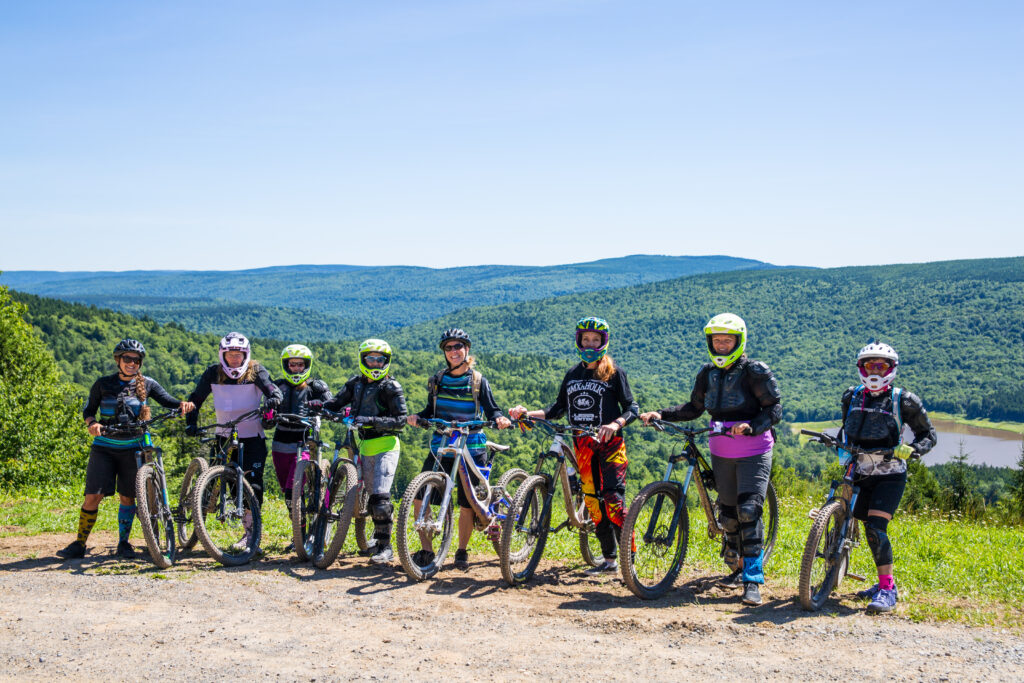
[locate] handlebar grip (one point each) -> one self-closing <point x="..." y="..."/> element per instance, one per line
<point x="808" y="432"/>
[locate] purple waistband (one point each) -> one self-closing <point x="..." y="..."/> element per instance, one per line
<point x="739" y="446"/>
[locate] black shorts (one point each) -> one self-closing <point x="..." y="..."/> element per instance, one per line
<point x="882" y="492"/>
<point x="111" y="470"/>
<point x="446" y="466"/>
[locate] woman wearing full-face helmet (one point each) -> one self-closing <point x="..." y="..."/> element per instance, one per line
<point x="239" y="384"/>
<point x="742" y="397"/>
<point x="874" y="413"/>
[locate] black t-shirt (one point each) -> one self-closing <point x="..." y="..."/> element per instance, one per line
<point x="590" y="402"/>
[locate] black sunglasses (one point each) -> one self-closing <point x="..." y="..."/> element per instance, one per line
<point x="134" y="360"/>
<point x="457" y="346"/>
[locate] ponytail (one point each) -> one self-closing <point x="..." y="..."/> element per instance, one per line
<point x="605" y="368"/>
<point x="142" y="395"/>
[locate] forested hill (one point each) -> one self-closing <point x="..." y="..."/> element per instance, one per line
<point x="335" y="302"/>
<point x="958" y="326"/>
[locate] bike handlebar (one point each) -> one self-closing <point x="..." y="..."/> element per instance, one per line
<point x="554" y="427"/>
<point x="131" y="428"/>
<point x="673" y="429"/>
<point x="832" y="442"/>
<point x="256" y="412"/>
<point x="450" y="426"/>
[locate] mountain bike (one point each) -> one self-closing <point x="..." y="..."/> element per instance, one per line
<point x="223" y="499"/>
<point x="528" y="523"/>
<point x="658" y="519"/>
<point x="835" y="532"/>
<point x="424" y="538"/>
<point x="153" y="503"/>
<point x="323" y="494"/>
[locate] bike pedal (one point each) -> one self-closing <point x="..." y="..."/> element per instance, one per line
<point x="855" y="577"/>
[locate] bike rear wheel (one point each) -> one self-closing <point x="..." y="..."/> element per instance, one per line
<point x="771" y="522"/>
<point x="154" y="517"/>
<point x="507" y="485"/>
<point x="525" y="531"/>
<point x="340" y="504"/>
<point x="660" y="550"/>
<point x="307" y="498"/>
<point x="423" y="550"/>
<point x="187" y="537"/>
<point x="219" y="519"/>
<point x="823" y="560"/>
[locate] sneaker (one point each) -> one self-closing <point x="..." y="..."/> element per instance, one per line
<point x="241" y="545"/>
<point x="884" y="601"/>
<point x="603" y="568"/>
<point x="751" y="593"/>
<point x="731" y="580"/>
<point x="383" y="556"/>
<point x="125" y="550"/>
<point x="423" y="558"/>
<point x="869" y="593"/>
<point x="462" y="560"/>
<point x="288" y="548"/>
<point x="371" y="549"/>
<point x="73" y="551"/>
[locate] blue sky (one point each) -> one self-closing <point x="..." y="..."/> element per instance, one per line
<point x="241" y="134"/>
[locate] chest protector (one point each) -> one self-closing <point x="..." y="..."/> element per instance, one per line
<point x="873" y="421"/>
<point x="726" y="393"/>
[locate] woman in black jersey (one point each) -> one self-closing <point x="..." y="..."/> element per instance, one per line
<point x="120" y="397"/>
<point x="595" y="393"/>
<point x="742" y="397"/>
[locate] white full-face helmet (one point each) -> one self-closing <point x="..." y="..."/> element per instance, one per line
<point x="234" y="341"/>
<point x="876" y="365"/>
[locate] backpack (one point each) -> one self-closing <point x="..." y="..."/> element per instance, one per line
<point x="434" y="385"/>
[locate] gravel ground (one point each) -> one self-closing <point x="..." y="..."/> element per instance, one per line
<point x="103" y="618"/>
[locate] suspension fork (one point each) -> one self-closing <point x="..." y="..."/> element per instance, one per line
<point x="656" y="513"/>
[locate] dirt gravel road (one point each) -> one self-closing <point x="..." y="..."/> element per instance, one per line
<point x="103" y="618"/>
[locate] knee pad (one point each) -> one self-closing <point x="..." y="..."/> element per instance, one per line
<point x="875" y="528"/>
<point x="727" y="518"/>
<point x="749" y="511"/>
<point x="380" y="508"/>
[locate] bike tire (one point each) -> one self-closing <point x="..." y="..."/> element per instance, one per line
<point x="525" y="531"/>
<point x="408" y="539"/>
<point x="156" y="521"/>
<point x="307" y="485"/>
<point x="771" y="522"/>
<point x="652" y="570"/>
<point x="508" y="483"/>
<point x="362" y="514"/>
<point x="820" y="560"/>
<point x="342" y="493"/>
<point x="214" y="531"/>
<point x="187" y="537"/>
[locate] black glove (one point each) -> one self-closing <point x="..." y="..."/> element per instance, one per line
<point x="191" y="430"/>
<point x="271" y="404"/>
<point x="315" y="406"/>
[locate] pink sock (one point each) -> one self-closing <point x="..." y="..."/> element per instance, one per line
<point x="886" y="582"/>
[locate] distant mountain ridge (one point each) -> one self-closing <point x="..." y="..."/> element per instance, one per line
<point x="340" y="301"/>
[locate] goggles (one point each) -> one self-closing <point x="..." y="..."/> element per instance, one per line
<point x="374" y="359"/>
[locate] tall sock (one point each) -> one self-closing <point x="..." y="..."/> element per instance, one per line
<point x="86" y="520"/>
<point x="886" y="582"/>
<point x="125" y="517"/>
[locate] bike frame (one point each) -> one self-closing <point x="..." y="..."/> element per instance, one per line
<point x="696" y="462"/>
<point x="457" y="434"/>
<point x="232" y="443"/>
<point x="563" y="451"/>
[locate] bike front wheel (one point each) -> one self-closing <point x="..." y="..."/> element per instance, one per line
<point x="229" y="532"/>
<point x="154" y="517"/>
<point x="339" y="507"/>
<point x="423" y="539"/>
<point x="823" y="559"/>
<point x="525" y="531"/>
<point x="505" y="492"/>
<point x="659" y="525"/>
<point x="307" y="496"/>
<point x="187" y="537"/>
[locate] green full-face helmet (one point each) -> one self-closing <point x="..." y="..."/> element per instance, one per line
<point x="374" y="347"/>
<point x="726" y="323"/>
<point x="301" y="352"/>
